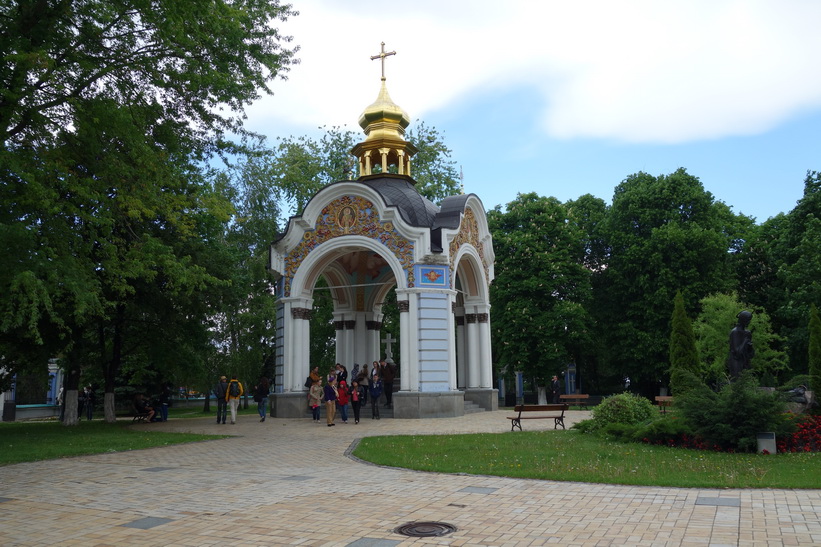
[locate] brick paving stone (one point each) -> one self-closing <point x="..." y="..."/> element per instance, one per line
<point x="288" y="482"/>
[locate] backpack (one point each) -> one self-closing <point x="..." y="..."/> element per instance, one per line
<point x="308" y="382"/>
<point x="233" y="389"/>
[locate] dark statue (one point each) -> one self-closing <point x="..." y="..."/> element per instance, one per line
<point x="741" y="345"/>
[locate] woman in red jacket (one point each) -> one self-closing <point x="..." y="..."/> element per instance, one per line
<point x="342" y="401"/>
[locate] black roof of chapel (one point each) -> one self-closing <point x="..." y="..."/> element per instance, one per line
<point x="399" y="192"/>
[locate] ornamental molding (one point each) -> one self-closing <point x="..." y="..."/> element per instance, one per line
<point x="344" y="216"/>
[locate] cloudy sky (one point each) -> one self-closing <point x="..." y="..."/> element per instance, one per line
<point x="568" y="98"/>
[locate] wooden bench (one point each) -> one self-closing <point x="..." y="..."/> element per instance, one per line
<point x="579" y="399"/>
<point x="556" y="413"/>
<point x="664" y="401"/>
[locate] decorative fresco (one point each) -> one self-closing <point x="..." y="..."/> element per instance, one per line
<point x="349" y="215"/>
<point x="468" y="234"/>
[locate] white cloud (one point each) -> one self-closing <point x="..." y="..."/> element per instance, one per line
<point x="625" y="71"/>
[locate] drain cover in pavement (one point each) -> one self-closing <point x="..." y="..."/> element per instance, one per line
<point x="425" y="529"/>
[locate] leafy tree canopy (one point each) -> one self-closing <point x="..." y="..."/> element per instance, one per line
<point x="541" y="287"/>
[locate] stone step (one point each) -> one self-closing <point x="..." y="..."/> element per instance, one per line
<point x="472" y="408"/>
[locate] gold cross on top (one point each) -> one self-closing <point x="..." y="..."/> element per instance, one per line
<point x="382" y="55"/>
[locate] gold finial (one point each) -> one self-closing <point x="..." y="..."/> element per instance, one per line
<point x="382" y="55"/>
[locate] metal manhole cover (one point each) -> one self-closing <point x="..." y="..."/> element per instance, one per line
<point x="425" y="529"/>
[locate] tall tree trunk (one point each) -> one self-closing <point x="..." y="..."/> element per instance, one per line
<point x="72" y="383"/>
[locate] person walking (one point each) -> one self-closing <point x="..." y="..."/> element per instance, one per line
<point x="555" y="389"/>
<point x="365" y="381"/>
<point x="220" y="392"/>
<point x="331" y="395"/>
<point x="357" y="398"/>
<point x="376" y="392"/>
<point x="314" y="398"/>
<point x="89" y="399"/>
<point x="342" y="399"/>
<point x="61" y="400"/>
<point x="261" y="397"/>
<point x="388" y="376"/>
<point x="235" y="391"/>
<point x="164" y="401"/>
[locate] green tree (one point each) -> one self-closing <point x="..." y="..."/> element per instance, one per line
<point x="815" y="350"/>
<point x="541" y="287"/>
<point x="107" y="112"/>
<point x="185" y="58"/>
<point x="664" y="234"/>
<point x="683" y="352"/>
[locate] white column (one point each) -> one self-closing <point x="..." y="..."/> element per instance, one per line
<point x="373" y="344"/>
<point x="451" y="344"/>
<point x="472" y="342"/>
<point x="461" y="348"/>
<point x="404" y="342"/>
<point x="297" y="337"/>
<point x="413" y="334"/>
<point x="485" y="349"/>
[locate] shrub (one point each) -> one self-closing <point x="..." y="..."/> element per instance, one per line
<point x="624" y="408"/>
<point x="669" y="430"/>
<point x="619" y="432"/>
<point x="731" y="419"/>
<point x="682" y="381"/>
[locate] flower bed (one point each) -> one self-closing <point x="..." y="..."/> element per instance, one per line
<point x="806" y="438"/>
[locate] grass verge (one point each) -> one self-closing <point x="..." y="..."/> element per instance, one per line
<point x="29" y="441"/>
<point x="573" y="456"/>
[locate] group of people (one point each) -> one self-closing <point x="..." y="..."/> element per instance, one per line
<point x="154" y="411"/>
<point x="229" y="392"/>
<point x="337" y="393"/>
<point x="85" y="402"/>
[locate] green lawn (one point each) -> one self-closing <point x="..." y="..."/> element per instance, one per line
<point x="32" y="441"/>
<point x="573" y="456"/>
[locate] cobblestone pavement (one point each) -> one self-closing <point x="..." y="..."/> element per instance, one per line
<point x="290" y="482"/>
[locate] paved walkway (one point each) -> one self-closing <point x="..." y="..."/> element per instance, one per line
<point x="290" y="482"/>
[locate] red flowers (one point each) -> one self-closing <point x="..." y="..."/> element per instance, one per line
<point x="806" y="438"/>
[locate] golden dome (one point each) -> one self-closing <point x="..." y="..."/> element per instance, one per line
<point x="384" y="149"/>
<point x="384" y="118"/>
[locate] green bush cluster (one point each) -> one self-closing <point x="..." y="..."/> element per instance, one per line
<point x="624" y="408"/>
<point x="664" y="429"/>
<point x="731" y="419"/>
<point x="728" y="420"/>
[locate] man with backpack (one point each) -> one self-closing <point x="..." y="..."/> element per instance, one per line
<point x="220" y="391"/>
<point x="232" y="395"/>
